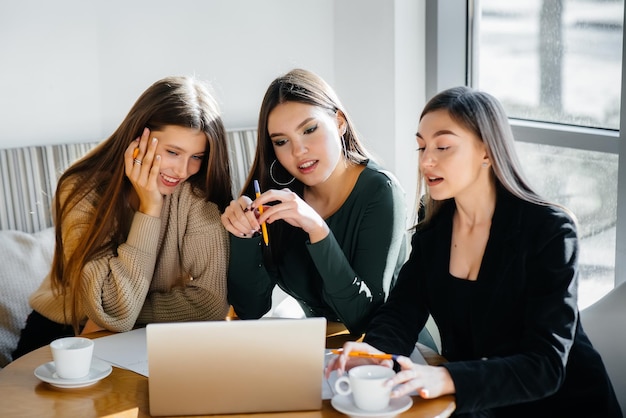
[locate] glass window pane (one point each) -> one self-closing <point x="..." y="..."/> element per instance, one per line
<point x="584" y="182"/>
<point x="552" y="60"/>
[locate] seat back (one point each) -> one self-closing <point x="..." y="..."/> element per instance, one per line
<point x="605" y="324"/>
<point x="30" y="174"/>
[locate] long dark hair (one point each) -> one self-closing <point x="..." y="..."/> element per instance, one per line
<point x="180" y="101"/>
<point x="306" y="87"/>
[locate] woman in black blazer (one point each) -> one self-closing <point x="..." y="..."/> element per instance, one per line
<point x="496" y="266"/>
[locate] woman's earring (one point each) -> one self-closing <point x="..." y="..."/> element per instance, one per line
<point x="343" y="147"/>
<point x="485" y="164"/>
<point x="274" y="179"/>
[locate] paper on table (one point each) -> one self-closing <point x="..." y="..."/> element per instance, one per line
<point x="127" y="350"/>
<point x="328" y="385"/>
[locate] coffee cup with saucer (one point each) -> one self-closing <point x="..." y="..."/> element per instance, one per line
<point x="363" y="393"/>
<point x="98" y="370"/>
<point x="345" y="404"/>
<point x="73" y="365"/>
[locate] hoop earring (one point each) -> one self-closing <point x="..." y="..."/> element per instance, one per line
<point x="343" y="147"/>
<point x="274" y="179"/>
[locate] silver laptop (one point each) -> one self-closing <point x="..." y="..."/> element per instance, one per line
<point x="223" y="367"/>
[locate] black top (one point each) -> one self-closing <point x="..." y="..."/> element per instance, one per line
<point x="461" y="297"/>
<point x="528" y="355"/>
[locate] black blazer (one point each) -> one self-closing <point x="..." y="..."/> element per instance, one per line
<point x="528" y="354"/>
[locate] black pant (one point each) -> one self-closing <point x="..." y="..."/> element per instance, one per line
<point x="39" y="331"/>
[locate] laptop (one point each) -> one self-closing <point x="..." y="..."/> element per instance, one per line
<point x="241" y="366"/>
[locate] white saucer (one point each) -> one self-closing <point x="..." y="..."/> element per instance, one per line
<point x="345" y="404"/>
<point x="98" y="371"/>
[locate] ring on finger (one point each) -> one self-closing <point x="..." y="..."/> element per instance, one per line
<point x="137" y="161"/>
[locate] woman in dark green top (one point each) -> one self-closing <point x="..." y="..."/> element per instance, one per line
<point x="336" y="221"/>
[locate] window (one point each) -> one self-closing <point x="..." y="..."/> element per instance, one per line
<point x="586" y="183"/>
<point x="551" y="60"/>
<point x="556" y="66"/>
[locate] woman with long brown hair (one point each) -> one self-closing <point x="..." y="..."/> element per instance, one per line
<point x="335" y="219"/>
<point x="137" y="220"/>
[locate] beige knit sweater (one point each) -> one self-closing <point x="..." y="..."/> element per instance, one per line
<point x="171" y="268"/>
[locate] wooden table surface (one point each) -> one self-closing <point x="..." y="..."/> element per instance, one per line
<point x="125" y="393"/>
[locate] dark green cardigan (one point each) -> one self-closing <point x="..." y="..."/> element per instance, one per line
<point x="346" y="276"/>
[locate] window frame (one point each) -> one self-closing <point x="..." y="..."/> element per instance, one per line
<point x="449" y="33"/>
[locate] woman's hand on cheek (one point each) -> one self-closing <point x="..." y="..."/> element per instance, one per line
<point x="142" y="167"/>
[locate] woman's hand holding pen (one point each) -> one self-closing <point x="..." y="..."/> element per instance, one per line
<point x="427" y="381"/>
<point x="346" y="361"/>
<point x="288" y="206"/>
<point x="242" y="217"/>
<point x="239" y="220"/>
<point x="142" y="167"/>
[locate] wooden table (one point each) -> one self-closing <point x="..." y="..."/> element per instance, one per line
<point x="125" y="394"/>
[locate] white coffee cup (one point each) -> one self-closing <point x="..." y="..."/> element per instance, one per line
<point x="367" y="385"/>
<point x="72" y="356"/>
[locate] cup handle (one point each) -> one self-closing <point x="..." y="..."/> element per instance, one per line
<point x="342" y="386"/>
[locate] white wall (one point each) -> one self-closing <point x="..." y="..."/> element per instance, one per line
<point x="49" y="75"/>
<point x="380" y="76"/>
<point x="71" y="69"/>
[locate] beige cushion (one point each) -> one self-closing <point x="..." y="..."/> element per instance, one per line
<point x="25" y="261"/>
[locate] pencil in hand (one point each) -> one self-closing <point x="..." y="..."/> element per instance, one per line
<point x="382" y="356"/>
<point x="257" y="192"/>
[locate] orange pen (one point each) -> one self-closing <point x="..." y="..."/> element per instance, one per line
<point x="257" y="192"/>
<point x="135" y="152"/>
<point x="381" y="356"/>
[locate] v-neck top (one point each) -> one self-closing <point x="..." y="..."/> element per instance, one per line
<point x="461" y="294"/>
<point x="513" y="338"/>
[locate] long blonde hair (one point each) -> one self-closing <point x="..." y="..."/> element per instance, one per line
<point x="180" y="101"/>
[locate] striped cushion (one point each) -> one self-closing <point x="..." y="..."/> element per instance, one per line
<point x="241" y="149"/>
<point x="29" y="177"/>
